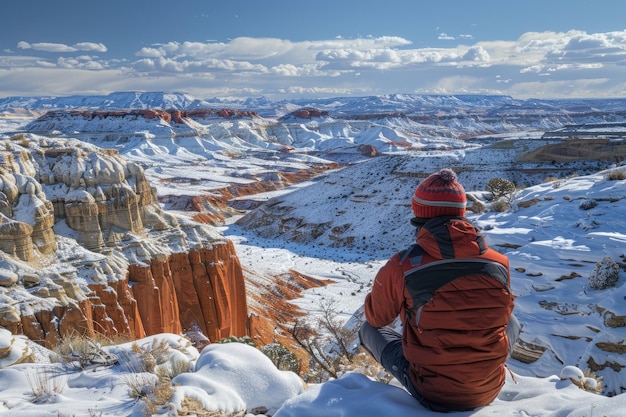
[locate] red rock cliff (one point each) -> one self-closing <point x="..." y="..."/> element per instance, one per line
<point x="86" y="248"/>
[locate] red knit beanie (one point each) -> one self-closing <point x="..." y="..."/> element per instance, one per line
<point x="439" y="195"/>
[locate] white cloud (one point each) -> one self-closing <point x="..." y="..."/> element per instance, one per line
<point x="90" y="46"/>
<point x="62" y="48"/>
<point x="477" y="53"/>
<point x="383" y="64"/>
<point x="46" y="64"/>
<point x="78" y="63"/>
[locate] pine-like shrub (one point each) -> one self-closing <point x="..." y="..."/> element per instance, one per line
<point x="605" y="274"/>
<point x="283" y="358"/>
<point x="501" y="188"/>
<point x="246" y="340"/>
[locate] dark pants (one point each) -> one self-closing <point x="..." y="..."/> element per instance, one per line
<point x="385" y="345"/>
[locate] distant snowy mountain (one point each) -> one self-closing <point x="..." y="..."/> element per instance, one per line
<point x="117" y="100"/>
<point x="408" y="104"/>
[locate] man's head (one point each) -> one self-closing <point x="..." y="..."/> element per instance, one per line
<point x="439" y="195"/>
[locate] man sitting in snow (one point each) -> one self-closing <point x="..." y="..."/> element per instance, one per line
<point x="453" y="296"/>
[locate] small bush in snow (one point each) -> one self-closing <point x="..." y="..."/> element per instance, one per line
<point x="500" y="206"/>
<point x="588" y="204"/>
<point x="616" y="175"/>
<point x="82" y="351"/>
<point x="474" y="204"/>
<point x="45" y="382"/>
<point x="587" y="380"/>
<point x="328" y="343"/>
<point x="501" y="188"/>
<point x="235" y="339"/>
<point x="605" y="274"/>
<point x="283" y="358"/>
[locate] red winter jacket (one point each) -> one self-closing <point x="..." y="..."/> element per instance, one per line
<point x="452" y="294"/>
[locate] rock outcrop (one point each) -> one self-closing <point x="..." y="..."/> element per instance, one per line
<point x="16" y="351"/>
<point x="86" y="248"/>
<point x="55" y="119"/>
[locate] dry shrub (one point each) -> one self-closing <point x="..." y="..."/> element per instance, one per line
<point x="328" y="344"/>
<point x="151" y="355"/>
<point x="169" y="370"/>
<point x="616" y="175"/>
<point x="500" y="206"/>
<point x="83" y="351"/>
<point x="364" y="363"/>
<point x="157" y="397"/>
<point x="192" y="407"/>
<point x="149" y="373"/>
<point x="476" y="205"/>
<point x="591" y="382"/>
<point x="528" y="203"/>
<point x="45" y="382"/>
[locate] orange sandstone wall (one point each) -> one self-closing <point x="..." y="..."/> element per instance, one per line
<point x="200" y="293"/>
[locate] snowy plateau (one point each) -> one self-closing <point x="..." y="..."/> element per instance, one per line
<point x="321" y="188"/>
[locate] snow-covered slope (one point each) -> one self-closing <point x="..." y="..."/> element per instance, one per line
<point x="344" y="224"/>
<point x="554" y="234"/>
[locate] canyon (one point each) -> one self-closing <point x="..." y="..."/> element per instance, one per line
<point x="85" y="248"/>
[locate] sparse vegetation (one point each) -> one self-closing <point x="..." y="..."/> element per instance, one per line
<point x="283" y="358"/>
<point x="501" y="188"/>
<point x="83" y="351"/>
<point x="605" y="274"/>
<point x="192" y="407"/>
<point x="235" y="339"/>
<point x="45" y="382"/>
<point x="476" y="205"/>
<point x="333" y="349"/>
<point x="150" y="372"/>
<point x="500" y="206"/>
<point x="528" y="203"/>
<point x="588" y="381"/>
<point x="588" y="204"/>
<point x="616" y="175"/>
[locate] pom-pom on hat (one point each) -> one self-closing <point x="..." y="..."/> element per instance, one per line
<point x="439" y="195"/>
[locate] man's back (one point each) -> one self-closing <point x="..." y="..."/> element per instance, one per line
<point x="453" y="295"/>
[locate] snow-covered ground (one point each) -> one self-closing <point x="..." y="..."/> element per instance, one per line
<point x="553" y="245"/>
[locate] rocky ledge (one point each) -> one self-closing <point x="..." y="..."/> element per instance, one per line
<point x="85" y="247"/>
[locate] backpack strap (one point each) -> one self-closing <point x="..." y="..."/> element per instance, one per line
<point x="423" y="280"/>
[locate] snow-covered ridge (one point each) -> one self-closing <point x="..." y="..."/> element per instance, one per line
<point x="386" y="123"/>
<point x="406" y="103"/>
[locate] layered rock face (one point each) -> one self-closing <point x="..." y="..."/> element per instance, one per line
<point x="85" y="248"/>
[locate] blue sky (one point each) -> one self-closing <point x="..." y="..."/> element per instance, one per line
<point x="281" y="49"/>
